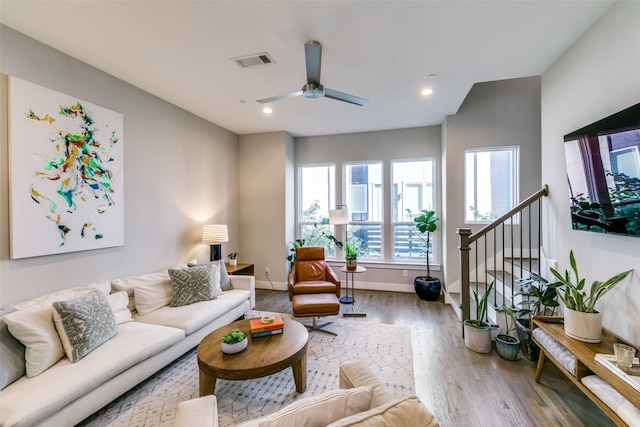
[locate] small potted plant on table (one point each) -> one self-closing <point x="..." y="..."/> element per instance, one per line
<point x="351" y="256"/>
<point x="234" y="342"/>
<point x="233" y="258"/>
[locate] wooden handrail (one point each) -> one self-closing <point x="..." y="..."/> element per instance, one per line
<point x="543" y="192"/>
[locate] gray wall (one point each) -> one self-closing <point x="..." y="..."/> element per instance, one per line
<point x="180" y="172"/>
<point x="502" y="113"/>
<point x="598" y="76"/>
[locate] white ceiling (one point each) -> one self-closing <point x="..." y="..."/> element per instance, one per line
<point x="380" y="50"/>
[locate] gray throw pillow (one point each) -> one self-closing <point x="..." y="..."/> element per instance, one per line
<point x="11" y="352"/>
<point x="191" y="284"/>
<point x="225" y="283"/>
<point x="84" y="323"/>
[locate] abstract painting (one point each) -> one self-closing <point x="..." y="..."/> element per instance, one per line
<point x="66" y="173"/>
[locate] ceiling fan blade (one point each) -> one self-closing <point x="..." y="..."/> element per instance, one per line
<point x="313" y="56"/>
<point x="333" y="94"/>
<point x="279" y="97"/>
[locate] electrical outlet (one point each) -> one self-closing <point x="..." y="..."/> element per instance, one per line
<point x="266" y="271"/>
<point x="405" y="273"/>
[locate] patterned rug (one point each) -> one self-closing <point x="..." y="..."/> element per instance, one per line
<point x="386" y="348"/>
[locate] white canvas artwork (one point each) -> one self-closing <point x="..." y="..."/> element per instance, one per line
<point x="66" y="173"/>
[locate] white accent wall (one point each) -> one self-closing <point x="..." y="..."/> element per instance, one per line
<point x="598" y="76"/>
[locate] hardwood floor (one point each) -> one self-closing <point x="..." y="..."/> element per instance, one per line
<point x="461" y="387"/>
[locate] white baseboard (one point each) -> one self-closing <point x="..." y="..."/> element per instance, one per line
<point x="371" y="286"/>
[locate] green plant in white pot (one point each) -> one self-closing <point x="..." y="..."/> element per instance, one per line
<point x="477" y="332"/>
<point x="581" y="320"/>
<point x="427" y="287"/>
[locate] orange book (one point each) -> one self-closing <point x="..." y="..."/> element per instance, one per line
<point x="257" y="325"/>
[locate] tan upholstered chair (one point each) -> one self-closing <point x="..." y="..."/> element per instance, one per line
<point x="314" y="287"/>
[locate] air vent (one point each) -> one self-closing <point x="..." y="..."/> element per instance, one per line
<point x="252" y="60"/>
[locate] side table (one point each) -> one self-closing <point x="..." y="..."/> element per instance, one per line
<point x="240" y="269"/>
<point x="351" y="299"/>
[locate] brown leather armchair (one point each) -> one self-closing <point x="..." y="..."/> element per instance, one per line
<point x="314" y="287"/>
<point x="311" y="274"/>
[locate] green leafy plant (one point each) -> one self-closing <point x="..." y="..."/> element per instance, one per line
<point x="233" y="337"/>
<point x="543" y="296"/>
<point x="350" y="251"/>
<point x="482" y="304"/>
<point x="232" y="255"/>
<point x="575" y="297"/>
<point x="425" y="223"/>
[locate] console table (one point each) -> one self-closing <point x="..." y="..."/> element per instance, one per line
<point x="240" y="269"/>
<point x="585" y="363"/>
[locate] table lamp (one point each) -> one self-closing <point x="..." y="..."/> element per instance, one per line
<point x="215" y="235"/>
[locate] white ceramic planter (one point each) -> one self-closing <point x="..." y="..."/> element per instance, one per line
<point x="585" y="327"/>
<point x="233" y="261"/>
<point x="477" y="339"/>
<point x="234" y="348"/>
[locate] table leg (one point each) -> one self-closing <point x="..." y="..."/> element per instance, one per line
<point x="207" y="384"/>
<point x="540" y="366"/>
<point x="300" y="373"/>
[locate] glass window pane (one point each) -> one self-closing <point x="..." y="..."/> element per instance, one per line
<point x="367" y="238"/>
<point x="409" y="244"/>
<point x="317" y="184"/>
<point x="490" y="183"/>
<point x="412" y="187"/>
<point x="364" y="191"/>
<point x="316" y="235"/>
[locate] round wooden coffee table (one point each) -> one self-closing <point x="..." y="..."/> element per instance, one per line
<point x="263" y="356"/>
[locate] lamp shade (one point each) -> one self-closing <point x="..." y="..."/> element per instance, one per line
<point x="215" y="233"/>
<point x="339" y="216"/>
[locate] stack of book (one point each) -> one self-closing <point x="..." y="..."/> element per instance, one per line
<point x="260" y="329"/>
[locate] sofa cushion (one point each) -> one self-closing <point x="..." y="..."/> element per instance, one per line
<point x="84" y="323"/>
<point x="356" y="373"/>
<point x="152" y="297"/>
<point x="191" y="318"/>
<point x="11" y="352"/>
<point x="119" y="302"/>
<point x="194" y="284"/>
<point x="319" y="411"/>
<point x="34" y="328"/>
<point x="225" y="282"/>
<point x="409" y="411"/>
<point x="128" y="284"/>
<point x="32" y="400"/>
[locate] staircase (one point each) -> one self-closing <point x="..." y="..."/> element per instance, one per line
<point x="503" y="252"/>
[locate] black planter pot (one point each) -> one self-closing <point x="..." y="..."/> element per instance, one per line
<point x="427" y="288"/>
<point x="530" y="350"/>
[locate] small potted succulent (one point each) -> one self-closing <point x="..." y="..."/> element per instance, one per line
<point x="233" y="258"/>
<point x="234" y="342"/>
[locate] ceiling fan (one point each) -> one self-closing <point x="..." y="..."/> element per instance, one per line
<point x="313" y="89"/>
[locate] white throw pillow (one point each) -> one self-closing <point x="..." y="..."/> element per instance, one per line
<point x="322" y="410"/>
<point x="34" y="328"/>
<point x="149" y="298"/>
<point x="129" y="284"/>
<point x="119" y="302"/>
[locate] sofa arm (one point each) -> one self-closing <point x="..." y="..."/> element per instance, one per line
<point x="245" y="282"/>
<point x="356" y="373"/>
<point x="201" y="412"/>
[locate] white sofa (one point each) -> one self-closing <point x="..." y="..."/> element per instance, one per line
<point x="361" y="401"/>
<point x="66" y="393"/>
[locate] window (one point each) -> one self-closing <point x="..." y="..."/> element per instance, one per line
<point x="412" y="192"/>
<point x="377" y="195"/>
<point x="317" y="196"/>
<point x="365" y="203"/>
<point x="490" y="182"/>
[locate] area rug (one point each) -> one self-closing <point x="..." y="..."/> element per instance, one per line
<point x="385" y="348"/>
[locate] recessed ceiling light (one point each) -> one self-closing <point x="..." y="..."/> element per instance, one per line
<point x="267" y="110"/>
<point x="426" y="92"/>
